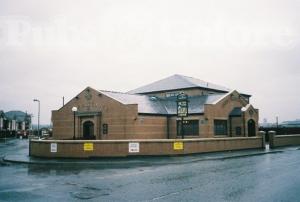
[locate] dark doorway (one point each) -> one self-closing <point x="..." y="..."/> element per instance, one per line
<point x="251" y="128"/>
<point x="88" y="130"/>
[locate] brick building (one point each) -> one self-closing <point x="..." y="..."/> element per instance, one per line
<point x="150" y="112"/>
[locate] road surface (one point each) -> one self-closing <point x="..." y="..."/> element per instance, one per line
<point x="267" y="177"/>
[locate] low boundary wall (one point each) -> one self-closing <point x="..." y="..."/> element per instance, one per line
<point x="123" y="148"/>
<point x="283" y="140"/>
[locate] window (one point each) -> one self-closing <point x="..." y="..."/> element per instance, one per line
<point x="220" y="127"/>
<point x="172" y="94"/>
<point x="238" y="131"/>
<point x="190" y="127"/>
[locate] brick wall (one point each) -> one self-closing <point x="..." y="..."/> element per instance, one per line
<point x="120" y="148"/>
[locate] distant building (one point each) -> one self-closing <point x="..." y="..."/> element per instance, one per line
<point x="15" y="121"/>
<point x="266" y="124"/>
<point x="150" y="112"/>
<point x="290" y="124"/>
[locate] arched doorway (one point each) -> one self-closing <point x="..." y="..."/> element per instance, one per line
<point x="88" y="130"/>
<point x="251" y="128"/>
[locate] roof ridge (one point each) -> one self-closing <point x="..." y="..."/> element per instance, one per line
<point x="205" y="82"/>
<point x="123" y="93"/>
<point x="185" y="78"/>
<point x="111" y="91"/>
<point x="178" y="81"/>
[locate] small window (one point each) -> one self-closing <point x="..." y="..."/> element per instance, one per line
<point x="190" y="127"/>
<point x="238" y="131"/>
<point x="105" y="129"/>
<point x="220" y="127"/>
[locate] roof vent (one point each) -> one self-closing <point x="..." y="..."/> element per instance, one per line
<point x="153" y="98"/>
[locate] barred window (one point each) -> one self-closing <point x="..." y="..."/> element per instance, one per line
<point x="238" y="131"/>
<point x="220" y="127"/>
<point x="190" y="127"/>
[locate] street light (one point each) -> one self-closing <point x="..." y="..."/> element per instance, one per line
<point x="74" y="110"/>
<point x="36" y="100"/>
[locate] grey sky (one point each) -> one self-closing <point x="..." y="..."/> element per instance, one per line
<point x="50" y="49"/>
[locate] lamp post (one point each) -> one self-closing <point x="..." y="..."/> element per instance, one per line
<point x="36" y="100"/>
<point x="74" y="110"/>
<point x="1" y="124"/>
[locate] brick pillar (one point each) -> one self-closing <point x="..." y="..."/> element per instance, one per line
<point x="272" y="138"/>
<point x="263" y="135"/>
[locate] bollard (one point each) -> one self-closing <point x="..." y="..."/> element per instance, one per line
<point x="272" y="138"/>
<point x="263" y="135"/>
<point x="29" y="147"/>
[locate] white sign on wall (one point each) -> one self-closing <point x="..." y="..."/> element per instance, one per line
<point x="134" y="147"/>
<point x="53" y="147"/>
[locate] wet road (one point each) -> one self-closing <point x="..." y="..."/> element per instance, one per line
<point x="268" y="177"/>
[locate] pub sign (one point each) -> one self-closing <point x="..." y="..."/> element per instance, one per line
<point x="182" y="105"/>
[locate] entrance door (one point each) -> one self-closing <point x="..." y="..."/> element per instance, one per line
<point x="251" y="128"/>
<point x="88" y="130"/>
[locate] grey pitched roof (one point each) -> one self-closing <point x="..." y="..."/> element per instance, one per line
<point x="178" y="82"/>
<point x="196" y="103"/>
<point x="144" y="102"/>
<point x="152" y="105"/>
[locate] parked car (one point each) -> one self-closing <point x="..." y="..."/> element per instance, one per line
<point x="22" y="133"/>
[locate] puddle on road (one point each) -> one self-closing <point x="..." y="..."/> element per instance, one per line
<point x="89" y="192"/>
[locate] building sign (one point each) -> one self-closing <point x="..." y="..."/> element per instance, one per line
<point x="172" y="94"/>
<point x="182" y="109"/>
<point x="88" y="147"/>
<point x="134" y="147"/>
<point x="182" y="105"/>
<point x="53" y="147"/>
<point x="178" y="145"/>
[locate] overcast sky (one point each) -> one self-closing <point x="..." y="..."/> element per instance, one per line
<point x="55" y="48"/>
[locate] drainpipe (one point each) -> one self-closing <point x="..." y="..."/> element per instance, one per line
<point x="244" y="124"/>
<point x="230" y="126"/>
<point x="168" y="127"/>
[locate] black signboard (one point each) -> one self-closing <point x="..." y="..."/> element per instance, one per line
<point x="182" y="109"/>
<point x="182" y="105"/>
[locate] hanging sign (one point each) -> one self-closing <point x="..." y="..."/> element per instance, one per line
<point x="53" y="147"/>
<point x="88" y="146"/>
<point x="134" y="147"/>
<point x="182" y="105"/>
<point x="178" y="145"/>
